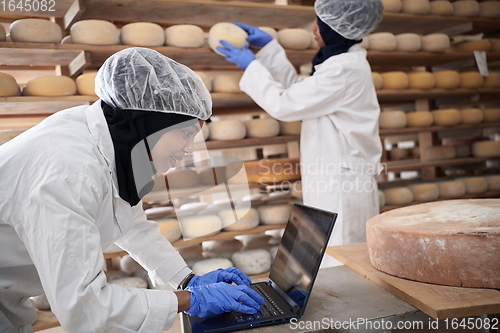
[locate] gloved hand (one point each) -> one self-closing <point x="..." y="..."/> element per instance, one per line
<point x="242" y="58"/>
<point x="256" y="37"/>
<point x="228" y="275"/>
<point x="212" y="299"/>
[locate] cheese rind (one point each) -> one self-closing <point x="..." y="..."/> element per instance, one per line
<point x="184" y="35"/>
<point x="382" y="41"/>
<point x="435" y="42"/>
<point x="8" y="86"/>
<point x="408" y="42"/>
<point x="142" y="34"/>
<point x="419" y="119"/>
<point x="85" y="84"/>
<point x="294" y="39"/>
<point x="262" y="128"/>
<point x="50" y="85"/>
<point x="398" y="196"/>
<point x="225" y="130"/>
<point x="395" y="80"/>
<point x="35" y="31"/>
<point x="421" y="80"/>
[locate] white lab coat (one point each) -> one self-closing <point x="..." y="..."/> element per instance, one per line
<point x="340" y="147"/>
<point x="59" y="209"/>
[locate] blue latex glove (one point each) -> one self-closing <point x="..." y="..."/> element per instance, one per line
<point x="213" y="299"/>
<point x="241" y="57"/>
<point x="228" y="275"/>
<point x="256" y="37"/>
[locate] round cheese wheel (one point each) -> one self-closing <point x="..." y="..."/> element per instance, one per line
<point x="395" y="80"/>
<point x="441" y="7"/>
<point x="381" y="199"/>
<point x="475" y="185"/>
<point x="207" y="265"/>
<point x="438" y="153"/>
<point x="392" y="119"/>
<point x="451" y="189"/>
<point x="395" y="139"/>
<point x="435" y="42"/>
<point x="113" y="248"/>
<point x="421" y="80"/>
<point x="35" y="31"/>
<point x="129" y="265"/>
<point x="489" y="9"/>
<point x="398" y="196"/>
<point x="227" y="83"/>
<point x="225" y="130"/>
<point x="462" y="151"/>
<point x="95" y="32"/>
<point x="486" y="149"/>
<point x="262" y="128"/>
<point x="270" y="31"/>
<point x="397" y="154"/>
<point x="50" y="85"/>
<point x="290" y="127"/>
<point x="246" y="221"/>
<point x="475" y="45"/>
<point x="181" y="178"/>
<point x="294" y="39"/>
<point x="419" y="119"/>
<point x="3" y="34"/>
<point x="131" y="282"/>
<point x="221" y="248"/>
<point x="170" y="229"/>
<point x="446" y="117"/>
<point x="41" y="302"/>
<point x="491" y="115"/>
<point x="495" y="45"/>
<point x="8" y="86"/>
<point x="419" y="7"/>
<point x="492" y="80"/>
<point x="377" y="80"/>
<point x="447" y="79"/>
<point x="207" y="81"/>
<point x="467" y="8"/>
<point x="274" y="214"/>
<point x="184" y="35"/>
<point x="408" y="42"/>
<point x="382" y="41"/>
<point x="471" y="116"/>
<point x="471" y="80"/>
<point x="252" y="262"/>
<point x="393" y="6"/>
<point x="493" y="182"/>
<point x="452" y="243"/>
<point x="85" y="84"/>
<point x="198" y="226"/>
<point x="192" y="207"/>
<point x="424" y="192"/>
<point x="142" y="34"/>
<point x="67" y="40"/>
<point x="229" y="32"/>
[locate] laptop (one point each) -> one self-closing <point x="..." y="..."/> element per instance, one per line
<point x="291" y="277"/>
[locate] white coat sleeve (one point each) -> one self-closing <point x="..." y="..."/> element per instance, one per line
<point x="274" y="58"/>
<point x="64" y="243"/>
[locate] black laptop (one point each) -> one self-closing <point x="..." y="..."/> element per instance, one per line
<point x="291" y="277"/>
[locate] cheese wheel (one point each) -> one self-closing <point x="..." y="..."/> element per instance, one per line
<point x="475" y="45"/>
<point x="489" y="9"/>
<point x="290" y="127"/>
<point x="223" y="248"/>
<point x="229" y="32"/>
<point x="50" y="85"/>
<point x="462" y="151"/>
<point x="130" y="282"/>
<point x="441" y="7"/>
<point x="129" y="265"/>
<point x="205" y="266"/>
<point x="3" y="34"/>
<point x="397" y="154"/>
<point x="381" y="199"/>
<point x="262" y="128"/>
<point x="408" y="42"/>
<point x="435" y="42"/>
<point x="225" y="130"/>
<point x="446" y="117"/>
<point x="452" y="243"/>
<point x="419" y="119"/>
<point x="35" y="31"/>
<point x="495" y="45"/>
<point x="395" y="139"/>
<point x="227" y="83"/>
<point x="438" y="153"/>
<point x="419" y="7"/>
<point x="398" y="196"/>
<point x="198" y="226"/>
<point x="8" y="86"/>
<point x="207" y="81"/>
<point x="246" y="219"/>
<point x="170" y="229"/>
<point x="447" y="79"/>
<point x="475" y="185"/>
<point x="486" y="149"/>
<point x="377" y="80"/>
<point x="393" y="6"/>
<point x="270" y="31"/>
<point x="492" y="80"/>
<point x="421" y="80"/>
<point x="41" y="302"/>
<point x="451" y="189"/>
<point x="382" y="41"/>
<point x="471" y="116"/>
<point x="202" y="135"/>
<point x="184" y="35"/>
<point x="395" y="80"/>
<point x="274" y="214"/>
<point x="67" y="40"/>
<point x="294" y="39"/>
<point x="467" y="8"/>
<point x="181" y="178"/>
<point x="95" y="32"/>
<point x="392" y="119"/>
<point x="493" y="182"/>
<point x="471" y="80"/>
<point x="192" y="207"/>
<point x="491" y="115"/>
<point x="85" y="84"/>
<point x="252" y="262"/>
<point x="424" y="192"/>
<point x="142" y="34"/>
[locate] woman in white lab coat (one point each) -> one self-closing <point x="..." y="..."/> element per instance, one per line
<point x="339" y="146"/>
<point x="71" y="186"/>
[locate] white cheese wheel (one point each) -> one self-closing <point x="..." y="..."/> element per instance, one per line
<point x="274" y="214"/>
<point x="381" y="199"/>
<point x="227" y="83"/>
<point x="262" y="128"/>
<point x="471" y="80"/>
<point x="493" y="182"/>
<point x="85" y="84"/>
<point x="393" y="6"/>
<point x="247" y="221"/>
<point x="184" y="35"/>
<point x="95" y="32"/>
<point x="142" y="34"/>
<point x="395" y="80"/>
<point x="451" y="189"/>
<point x="207" y="81"/>
<point x="270" y="31"/>
<point x="492" y="80"/>
<point x="113" y="248"/>
<point x="462" y="151"/>
<point x="441" y="7"/>
<point x="221" y="248"/>
<point x="50" y="85"/>
<point x="475" y="185"/>
<point x="229" y="32"/>
<point x="419" y="119"/>
<point x="8" y="85"/>
<point x="467" y="8"/>
<point x="35" y="31"/>
<point x="252" y="262"/>
<point x="290" y="127"/>
<point x="181" y="178"/>
<point x="211" y="175"/>
<point x="225" y="130"/>
<point x="408" y="42"/>
<point x="392" y="119"/>
<point x="41" y="302"/>
<point x="471" y="116"/>
<point x="491" y="115"/>
<point x="398" y="196"/>
<point x="294" y="39"/>
<point x="3" y="34"/>
<point x="382" y="41"/>
<point x="447" y="79"/>
<point x="424" y="192"/>
<point x="421" y="80"/>
<point x="170" y="229"/>
<point x="208" y="265"/>
<point x="131" y="282"/>
<point x="419" y="7"/>
<point x="377" y="80"/>
<point x="129" y="265"/>
<point x="435" y="42"/>
<point x="486" y="149"/>
<point x="191" y="253"/>
<point x="438" y="153"/>
<point x="489" y="9"/>
<point x="475" y="45"/>
<point x="198" y="226"/>
<point x="67" y="40"/>
<point x="446" y="117"/>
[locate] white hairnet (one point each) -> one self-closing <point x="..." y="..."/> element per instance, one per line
<point x="352" y="19"/>
<point x="144" y="79"/>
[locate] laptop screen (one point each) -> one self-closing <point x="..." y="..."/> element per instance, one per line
<point x="301" y="250"/>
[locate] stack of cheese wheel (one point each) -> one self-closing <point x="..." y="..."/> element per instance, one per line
<point x="8" y="86"/>
<point x="446" y="117"/>
<point x="447" y="79"/>
<point x="471" y="116"/>
<point x="424" y="192"/>
<point x="393" y="6"/>
<point x="398" y="196"/>
<point x="421" y="80"/>
<point x="435" y="42"/>
<point x="476" y="45"/>
<point x="408" y="42"/>
<point x="247" y="219"/>
<point x="441" y="7"/>
<point x="50" y="85"/>
<point x="262" y="128"/>
<point x="438" y="153"/>
<point x="471" y="80"/>
<point x="451" y="189"/>
<point x="181" y="178"/>
<point x="491" y="115"/>
<point x="461" y="238"/>
<point x="207" y="81"/>
<point x="274" y="214"/>
<point x="418" y="7"/>
<point x="142" y="34"/>
<point x="294" y="39"/>
<point x="35" y="31"/>
<point x="490" y="9"/>
<point x="95" y="32"/>
<point x="227" y="83"/>
<point x="394" y="80"/>
<point x="392" y="119"/>
<point x="466" y="8"/>
<point x="170" y="229"/>
<point x="252" y="262"/>
<point x="225" y="130"/>
<point x="486" y="149"/>
<point x="377" y="80"/>
<point x="229" y="32"/>
<point x="419" y="119"/>
<point x="185" y="35"/>
<point x="221" y="248"/>
<point x="382" y="41"/>
<point x="85" y="84"/>
<point x="198" y="226"/>
<point x="208" y="265"/>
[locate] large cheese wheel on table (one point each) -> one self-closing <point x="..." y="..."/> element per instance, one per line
<point x="95" y="32"/>
<point x="142" y="34"/>
<point x="35" y="31"/>
<point x="453" y="243"/>
<point x="184" y="35"/>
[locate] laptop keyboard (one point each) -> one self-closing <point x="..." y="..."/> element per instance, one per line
<point x="268" y="309"/>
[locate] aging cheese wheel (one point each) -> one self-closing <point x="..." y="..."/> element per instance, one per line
<point x="392" y="119"/>
<point x="202" y="135"/>
<point x="377" y="80"/>
<point x="447" y="79"/>
<point x="467" y="8"/>
<point x="419" y="7"/>
<point x="181" y="178"/>
<point x="408" y="42"/>
<point x="471" y="116"/>
<point x="227" y="83"/>
<point x="489" y="9"/>
<point x="421" y="80"/>
<point x="274" y="214"/>
<point x="95" y="32"/>
<point x="452" y="243"/>
<point x="475" y="45"/>
<point x="170" y="229"/>
<point x="35" y="31"/>
<point x="492" y="80"/>
<point x="395" y="80"/>
<point x="8" y="85"/>
<point x="398" y="196"/>
<point x="424" y="192"/>
<point x="198" y="226"/>
<point x="262" y="128"/>
<point x="252" y="262"/>
<point x="207" y="265"/>
<point x="451" y="189"/>
<point x="435" y="42"/>
<point x="294" y="39"/>
<point x="207" y="81"/>
<point x="3" y="34"/>
<point x="393" y="6"/>
<point x="471" y="80"/>
<point x="419" y="119"/>
<point x="382" y="41"/>
<point x="441" y="7"/>
<point x="50" y="85"/>
<point x="85" y="84"/>
<point x="493" y="182"/>
<point x="246" y="220"/>
<point x="438" y="153"/>
<point x="225" y="130"/>
<point x="475" y="185"/>
<point x="491" y="115"/>
<point x="270" y="31"/>
<point x="255" y="241"/>
<point x="486" y="149"/>
<point x="130" y="282"/>
<point x="290" y="127"/>
<point x="229" y="32"/>
<point x="184" y="35"/>
<point x="446" y="117"/>
<point x="381" y="199"/>
<point x="142" y="34"/>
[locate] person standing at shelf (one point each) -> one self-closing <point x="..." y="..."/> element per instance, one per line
<point x="72" y="185"/>
<point x="337" y="104"/>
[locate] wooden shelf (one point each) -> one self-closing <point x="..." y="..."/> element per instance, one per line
<point x="410" y="165"/>
<point x="45" y="320"/>
<point x="249" y="142"/>
<point x="413" y="130"/>
<point x="386" y="95"/>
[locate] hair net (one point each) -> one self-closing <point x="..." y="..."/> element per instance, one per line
<point x="352" y="19"/>
<point x="144" y="79"/>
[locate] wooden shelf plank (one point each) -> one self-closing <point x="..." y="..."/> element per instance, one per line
<point x="250" y="142"/>
<point x="44" y="321"/>
<point x="34" y="55"/>
<point x="413" y="130"/>
<point x="409" y="165"/>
